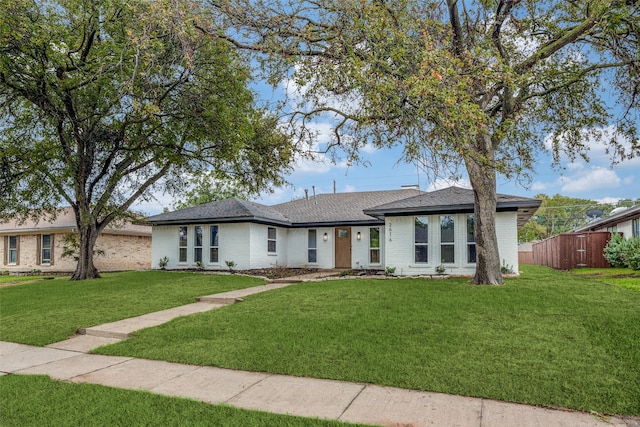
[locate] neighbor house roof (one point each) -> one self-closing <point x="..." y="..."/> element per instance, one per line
<point x="611" y="220"/>
<point x="454" y="200"/>
<point x="229" y="210"/>
<point x="65" y="221"/>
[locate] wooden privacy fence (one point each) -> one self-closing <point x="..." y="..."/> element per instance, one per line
<point x="573" y="250"/>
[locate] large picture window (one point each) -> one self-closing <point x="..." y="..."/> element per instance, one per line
<point x="447" y="236"/>
<point x="421" y="239"/>
<point x="374" y="245"/>
<point x="635" y="227"/>
<point x="45" y="249"/>
<point x="271" y="240"/>
<point x="214" y="249"/>
<point x="182" y="244"/>
<point x="197" y="244"/>
<point x="312" y="246"/>
<point x="471" y="241"/>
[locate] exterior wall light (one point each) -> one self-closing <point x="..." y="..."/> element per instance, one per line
<point x="325" y="237"/>
<point x="359" y="236"/>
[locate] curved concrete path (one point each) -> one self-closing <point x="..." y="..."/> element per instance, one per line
<point x="309" y="397"/>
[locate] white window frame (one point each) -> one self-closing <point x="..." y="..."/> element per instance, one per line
<point x="13" y="250"/>
<point x="471" y="243"/>
<point x="44" y="260"/>
<point x="183" y="249"/>
<point x="452" y="243"/>
<point x="635" y="227"/>
<point x="214" y="244"/>
<point x="374" y="249"/>
<point x="198" y="239"/>
<point x="272" y="240"/>
<point x="312" y="245"/>
<point x="417" y="244"/>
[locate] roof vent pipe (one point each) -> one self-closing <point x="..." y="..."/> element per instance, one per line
<point x="306" y="193"/>
<point x="315" y="201"/>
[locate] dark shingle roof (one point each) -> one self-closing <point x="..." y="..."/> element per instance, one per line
<point x="452" y="200"/>
<point x="341" y="208"/>
<point x="367" y="207"/>
<point x="229" y="210"/>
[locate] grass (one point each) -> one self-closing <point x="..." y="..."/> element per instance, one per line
<point x="625" y="277"/>
<point x="40" y="401"/>
<point x="43" y="312"/>
<point x="547" y="338"/>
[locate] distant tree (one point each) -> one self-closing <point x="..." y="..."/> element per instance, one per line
<point x="473" y="84"/>
<point x="204" y="189"/>
<point x="557" y="214"/>
<point x="103" y="102"/>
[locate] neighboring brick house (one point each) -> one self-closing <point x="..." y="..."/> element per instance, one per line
<point x="409" y="230"/>
<point x="39" y="246"/>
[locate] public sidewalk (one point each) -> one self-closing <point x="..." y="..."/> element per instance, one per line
<point x="309" y="397"/>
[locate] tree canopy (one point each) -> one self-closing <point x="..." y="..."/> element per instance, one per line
<point x="470" y="87"/>
<point x="104" y="102"/>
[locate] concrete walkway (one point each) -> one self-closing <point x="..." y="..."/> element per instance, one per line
<point x="309" y="397"/>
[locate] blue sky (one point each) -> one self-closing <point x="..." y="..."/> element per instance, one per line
<point x="596" y="180"/>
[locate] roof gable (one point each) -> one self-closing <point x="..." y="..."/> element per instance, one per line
<point x="454" y="200"/>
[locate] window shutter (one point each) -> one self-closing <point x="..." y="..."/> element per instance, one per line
<point x="38" y="249"/>
<point x="17" y="250"/>
<point x="52" y="257"/>
<point x="5" y="259"/>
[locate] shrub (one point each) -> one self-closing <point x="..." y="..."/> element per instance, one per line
<point x="631" y="253"/>
<point x="614" y="251"/>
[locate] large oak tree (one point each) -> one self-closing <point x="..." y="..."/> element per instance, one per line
<point x="103" y="102"/>
<point x="472" y="83"/>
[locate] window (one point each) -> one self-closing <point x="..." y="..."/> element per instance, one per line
<point x="45" y="252"/>
<point x="312" y="251"/>
<point x="197" y="244"/>
<point x="612" y="229"/>
<point x="635" y="227"/>
<point x="271" y="240"/>
<point x="447" y="236"/>
<point x="421" y="239"/>
<point x="374" y="245"/>
<point x="13" y="249"/>
<point x="182" y="245"/>
<point x="471" y="241"/>
<point x="213" y="244"/>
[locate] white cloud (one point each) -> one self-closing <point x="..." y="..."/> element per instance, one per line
<point x="608" y="200"/>
<point x="439" y="184"/>
<point x="348" y="189"/>
<point x="592" y="179"/>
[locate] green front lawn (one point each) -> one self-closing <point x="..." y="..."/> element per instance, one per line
<point x="47" y="311"/>
<point x="40" y="401"/>
<point x="547" y="338"/>
<point x="625" y="277"/>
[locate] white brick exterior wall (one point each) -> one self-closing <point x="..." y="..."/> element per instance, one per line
<point x="246" y="245"/>
<point x="400" y="247"/>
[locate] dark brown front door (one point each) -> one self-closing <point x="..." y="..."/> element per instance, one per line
<point x="343" y="247"/>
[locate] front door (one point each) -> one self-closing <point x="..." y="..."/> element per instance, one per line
<point x="343" y="247"/>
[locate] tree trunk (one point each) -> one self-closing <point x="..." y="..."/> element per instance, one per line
<point x="483" y="182"/>
<point x="87" y="236"/>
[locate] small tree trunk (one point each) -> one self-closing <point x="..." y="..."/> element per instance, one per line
<point x="483" y="181"/>
<point x="87" y="236"/>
